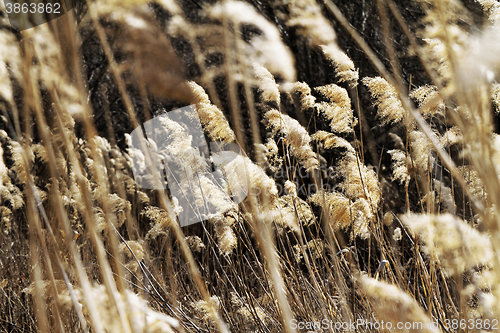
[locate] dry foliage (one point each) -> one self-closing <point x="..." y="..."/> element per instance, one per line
<point x="361" y="206"/>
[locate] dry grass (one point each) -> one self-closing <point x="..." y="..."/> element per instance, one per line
<point x="367" y="203"/>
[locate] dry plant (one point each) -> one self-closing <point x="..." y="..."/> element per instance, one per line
<point x="366" y="203"/>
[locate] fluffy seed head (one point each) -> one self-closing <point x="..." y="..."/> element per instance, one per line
<point x="390" y="108"/>
<point x="456" y="245"/>
<point x="394" y="305"/>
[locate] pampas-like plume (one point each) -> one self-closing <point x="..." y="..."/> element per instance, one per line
<point x="451" y="137"/>
<point x="330" y="140"/>
<point x="444" y="29"/>
<point x="495" y="143"/>
<point x="296" y="136"/>
<point x="291" y="188"/>
<point x="306" y="99"/>
<point x="344" y="66"/>
<point x="437" y="54"/>
<point x="206" y="308"/>
<point x="281" y="215"/>
<point x="17" y="157"/>
<point x="266" y="49"/>
<point x="279" y="210"/>
<point x="160" y="219"/>
<point x="211" y="117"/>
<point x="337" y="205"/>
<point x="211" y="193"/>
<point x="53" y="74"/>
<point x="474" y="182"/>
<point x="10" y="64"/>
<point x="260" y="183"/>
<point x="141" y="317"/>
<point x="445" y="196"/>
<point x="306" y="16"/>
<point x="393" y="305"/>
<point x="133" y="261"/>
<point x="457" y="245"/>
<point x="428" y="99"/>
<point x="359" y="181"/>
<point x="10" y="193"/>
<point x="226" y="239"/>
<point x="270" y="91"/>
<point x="390" y="108"/>
<point x="361" y="216"/>
<point x="272" y="155"/>
<point x="421" y="150"/>
<point x="119" y="206"/>
<point x="287" y="212"/>
<point x="195" y="243"/>
<point x="233" y="166"/>
<point x="338" y="111"/>
<point x="400" y="165"/>
<point x="304" y="211"/>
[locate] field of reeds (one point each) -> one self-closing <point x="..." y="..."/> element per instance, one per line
<point x="369" y="163"/>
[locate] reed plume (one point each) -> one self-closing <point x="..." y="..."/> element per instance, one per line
<point x="317" y="201"/>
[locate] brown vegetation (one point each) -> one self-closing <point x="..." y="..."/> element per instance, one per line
<point x="369" y="150"/>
